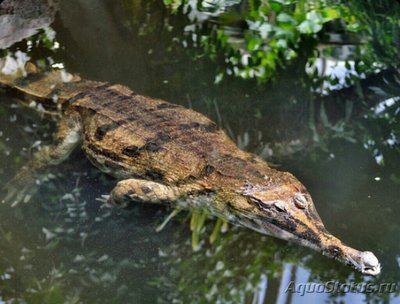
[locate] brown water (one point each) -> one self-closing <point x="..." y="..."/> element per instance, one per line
<point x="63" y="248"/>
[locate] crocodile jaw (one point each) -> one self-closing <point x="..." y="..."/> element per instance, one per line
<point x="364" y="261"/>
<point x="286" y="210"/>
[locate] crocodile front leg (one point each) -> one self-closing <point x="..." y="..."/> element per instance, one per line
<point x="139" y="190"/>
<point x="25" y="183"/>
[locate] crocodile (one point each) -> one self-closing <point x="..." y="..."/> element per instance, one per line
<point x="163" y="153"/>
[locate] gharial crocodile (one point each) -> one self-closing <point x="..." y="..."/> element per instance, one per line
<point x="162" y="152"/>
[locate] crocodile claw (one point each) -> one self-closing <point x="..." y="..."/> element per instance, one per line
<point x="15" y="196"/>
<point x="19" y="190"/>
<point x="105" y="199"/>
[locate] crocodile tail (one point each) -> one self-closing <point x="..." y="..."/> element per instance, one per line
<point x="49" y="88"/>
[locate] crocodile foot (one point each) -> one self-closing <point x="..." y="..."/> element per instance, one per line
<point x="138" y="190"/>
<point x="105" y="200"/>
<point x="20" y="189"/>
<point x="15" y="195"/>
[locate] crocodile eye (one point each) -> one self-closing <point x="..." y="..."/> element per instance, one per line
<point x="300" y="201"/>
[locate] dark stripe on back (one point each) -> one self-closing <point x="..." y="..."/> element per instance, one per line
<point x="167" y="105"/>
<point x="149" y="116"/>
<point x="80" y="96"/>
<point x="209" y="127"/>
<point x="153" y="119"/>
<point x="152" y="145"/>
<point x="115" y="100"/>
<point x="30" y="78"/>
<point x="102" y="131"/>
<point x="104" y="86"/>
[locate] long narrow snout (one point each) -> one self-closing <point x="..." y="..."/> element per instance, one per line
<point x="310" y="232"/>
<point x="364" y="261"/>
<point x="318" y="238"/>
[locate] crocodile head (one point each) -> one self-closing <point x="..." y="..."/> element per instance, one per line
<point x="280" y="206"/>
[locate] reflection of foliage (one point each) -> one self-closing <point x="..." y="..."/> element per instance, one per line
<point x="272" y="32"/>
<point x="384" y="130"/>
<point x="379" y="20"/>
<point x="253" y="38"/>
<point x="241" y="266"/>
<point x="230" y="271"/>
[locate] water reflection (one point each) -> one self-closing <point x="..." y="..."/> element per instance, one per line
<point x="62" y="248"/>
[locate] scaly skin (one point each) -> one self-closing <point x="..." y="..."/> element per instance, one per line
<point x="161" y="152"/>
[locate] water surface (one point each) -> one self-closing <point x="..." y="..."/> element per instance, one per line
<point x="63" y="248"/>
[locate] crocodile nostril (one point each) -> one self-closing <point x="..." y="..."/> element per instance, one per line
<point x="369" y="263"/>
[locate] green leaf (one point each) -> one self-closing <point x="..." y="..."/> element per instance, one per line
<point x="275" y="6"/>
<point x="282" y="44"/>
<point x="264" y="30"/>
<point x="330" y="13"/>
<point x="283" y="17"/>
<point x="314" y="17"/>
<point x="175" y="4"/>
<point x="378" y="91"/>
<point x="308" y="27"/>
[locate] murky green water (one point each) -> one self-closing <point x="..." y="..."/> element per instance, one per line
<point x="63" y="248"/>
